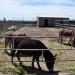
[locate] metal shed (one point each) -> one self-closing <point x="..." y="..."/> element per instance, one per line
<point x="52" y="21"/>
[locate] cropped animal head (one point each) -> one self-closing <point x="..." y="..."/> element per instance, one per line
<point x="50" y="60"/>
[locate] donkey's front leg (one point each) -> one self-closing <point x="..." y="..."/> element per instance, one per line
<point x="12" y="55"/>
<point x="33" y="60"/>
<point x="37" y="59"/>
<point x="18" y="57"/>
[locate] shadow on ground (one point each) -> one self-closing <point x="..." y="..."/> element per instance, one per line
<point x="24" y="70"/>
<point x="33" y="71"/>
<point x="66" y="44"/>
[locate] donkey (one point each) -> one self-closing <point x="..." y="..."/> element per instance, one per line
<point x="33" y="45"/>
<point x="66" y="33"/>
<point x="9" y="39"/>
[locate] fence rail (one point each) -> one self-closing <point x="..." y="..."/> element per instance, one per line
<point x="34" y="49"/>
<point x="31" y="37"/>
<point x="40" y="61"/>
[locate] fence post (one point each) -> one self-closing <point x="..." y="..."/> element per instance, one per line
<point x="13" y="43"/>
<point x="42" y="55"/>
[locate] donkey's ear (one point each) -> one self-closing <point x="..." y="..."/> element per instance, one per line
<point x="55" y="56"/>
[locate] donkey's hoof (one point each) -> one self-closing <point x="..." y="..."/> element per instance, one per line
<point x="40" y="68"/>
<point x="11" y="61"/>
<point x="20" y="63"/>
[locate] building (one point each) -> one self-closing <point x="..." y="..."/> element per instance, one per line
<point x="72" y="23"/>
<point x="52" y="21"/>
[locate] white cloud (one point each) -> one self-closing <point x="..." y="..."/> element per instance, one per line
<point x="47" y="2"/>
<point x="14" y="8"/>
<point x="61" y="1"/>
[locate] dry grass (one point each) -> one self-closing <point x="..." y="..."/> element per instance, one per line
<point x="15" y="69"/>
<point x="64" y="66"/>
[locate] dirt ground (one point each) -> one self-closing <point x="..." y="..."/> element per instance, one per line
<point x="33" y="31"/>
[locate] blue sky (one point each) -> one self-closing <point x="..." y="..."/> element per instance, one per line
<point x="30" y="9"/>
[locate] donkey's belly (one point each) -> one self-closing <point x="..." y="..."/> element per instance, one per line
<point x="30" y="53"/>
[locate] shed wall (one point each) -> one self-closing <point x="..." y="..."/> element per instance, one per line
<point x="52" y="21"/>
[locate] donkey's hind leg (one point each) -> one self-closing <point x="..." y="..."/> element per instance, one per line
<point x="60" y="39"/>
<point x="70" y="40"/>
